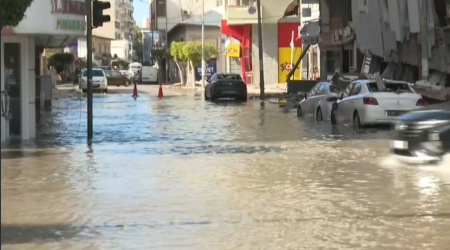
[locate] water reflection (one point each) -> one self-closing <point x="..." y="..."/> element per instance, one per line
<point x="181" y="173"/>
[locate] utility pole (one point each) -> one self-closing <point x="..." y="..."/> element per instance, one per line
<point x="90" y="124"/>
<point x="203" y="44"/>
<point x="424" y="38"/>
<point x="260" y="45"/>
<point x="94" y="18"/>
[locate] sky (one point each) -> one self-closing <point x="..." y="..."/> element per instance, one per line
<point x="141" y="10"/>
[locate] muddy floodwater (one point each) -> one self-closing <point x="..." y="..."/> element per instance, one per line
<point x="182" y="173"/>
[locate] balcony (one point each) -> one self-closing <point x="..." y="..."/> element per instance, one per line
<point x="242" y="14"/>
<point x="128" y="5"/>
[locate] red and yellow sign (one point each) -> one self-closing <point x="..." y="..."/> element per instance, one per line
<point x="233" y="50"/>
<point x="284" y="63"/>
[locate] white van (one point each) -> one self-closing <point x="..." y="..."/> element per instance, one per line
<point x="149" y="74"/>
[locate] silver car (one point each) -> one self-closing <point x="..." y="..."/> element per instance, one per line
<point x="318" y="101"/>
<point x="362" y="103"/>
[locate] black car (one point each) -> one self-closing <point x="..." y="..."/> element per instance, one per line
<point x="423" y="136"/>
<point x="226" y="86"/>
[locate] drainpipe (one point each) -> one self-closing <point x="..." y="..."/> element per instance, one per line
<point x="424" y="38"/>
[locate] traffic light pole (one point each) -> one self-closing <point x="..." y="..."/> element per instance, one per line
<point x="90" y="124"/>
<point x="260" y="50"/>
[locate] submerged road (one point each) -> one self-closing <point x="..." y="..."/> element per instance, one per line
<point x="182" y="173"/>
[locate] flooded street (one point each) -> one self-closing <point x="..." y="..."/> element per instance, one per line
<point x="182" y="173"/>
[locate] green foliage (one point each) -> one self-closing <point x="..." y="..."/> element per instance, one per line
<point x="176" y="51"/>
<point x="60" y="61"/>
<point x="192" y="50"/>
<point x="13" y="11"/>
<point x="121" y="64"/>
<point x="137" y="43"/>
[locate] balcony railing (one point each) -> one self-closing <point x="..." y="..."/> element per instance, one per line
<point x="242" y="14"/>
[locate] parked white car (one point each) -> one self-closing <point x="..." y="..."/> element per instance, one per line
<point x="362" y="103"/>
<point x="318" y="102"/>
<point x="99" y="80"/>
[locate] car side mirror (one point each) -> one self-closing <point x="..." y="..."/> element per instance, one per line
<point x="208" y="81"/>
<point x="306" y="96"/>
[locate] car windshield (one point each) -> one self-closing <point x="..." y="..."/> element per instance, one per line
<point x="229" y="77"/>
<point x="390" y="87"/>
<point x="95" y="72"/>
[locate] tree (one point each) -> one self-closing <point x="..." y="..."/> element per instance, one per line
<point x="61" y="61"/>
<point x="177" y="54"/>
<point x="13" y="11"/>
<point x="192" y="50"/>
<point x="137" y="44"/>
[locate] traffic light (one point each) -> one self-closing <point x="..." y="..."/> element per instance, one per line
<point x="98" y="18"/>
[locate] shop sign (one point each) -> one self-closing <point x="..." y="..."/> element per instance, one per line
<point x="72" y="7"/>
<point x="70" y="24"/>
<point x="233" y="50"/>
<point x="284" y="63"/>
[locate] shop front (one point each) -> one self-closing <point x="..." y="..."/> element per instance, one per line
<point x="47" y="24"/>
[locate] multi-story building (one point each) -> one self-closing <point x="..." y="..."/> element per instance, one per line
<point x="125" y="23"/>
<point x="390" y="34"/>
<point x="126" y="19"/>
<point x="101" y="39"/>
<point x="240" y="22"/>
<point x="337" y="47"/>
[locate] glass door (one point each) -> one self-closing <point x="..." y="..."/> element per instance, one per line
<point x="12" y="86"/>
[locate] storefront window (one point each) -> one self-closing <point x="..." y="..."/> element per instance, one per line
<point x="12" y="85"/>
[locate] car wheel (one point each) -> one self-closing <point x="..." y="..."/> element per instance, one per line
<point x="333" y="117"/>
<point x="319" y="116"/>
<point x="356" y="121"/>
<point x="105" y="91"/>
<point x="299" y="111"/>
<point x="84" y="91"/>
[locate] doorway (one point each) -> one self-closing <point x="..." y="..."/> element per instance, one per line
<point x="12" y="77"/>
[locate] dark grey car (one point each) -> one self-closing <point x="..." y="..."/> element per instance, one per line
<point x="226" y="86"/>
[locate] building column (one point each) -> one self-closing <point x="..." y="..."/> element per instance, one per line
<point x="4" y="128"/>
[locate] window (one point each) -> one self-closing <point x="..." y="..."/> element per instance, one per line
<point x="357" y="89"/>
<point x="95" y="72"/>
<point x="160" y="8"/>
<point x="348" y="90"/>
<point x="229" y="77"/>
<point x="321" y="89"/>
<point x="391" y="87"/>
<point x="314" y="90"/>
<point x="116" y="74"/>
<point x="363" y="5"/>
<point x="334" y="89"/>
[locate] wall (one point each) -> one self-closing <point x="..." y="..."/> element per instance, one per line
<point x="120" y="48"/>
<point x="108" y="30"/>
<point x="100" y="45"/>
<point x="270" y="53"/>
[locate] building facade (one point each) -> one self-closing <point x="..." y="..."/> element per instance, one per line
<point x="391" y="34"/>
<point x="46" y="24"/>
<point x="240" y="23"/>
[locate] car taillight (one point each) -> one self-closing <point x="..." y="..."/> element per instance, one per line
<point x="370" y="101"/>
<point x="331" y="99"/>
<point x="421" y="102"/>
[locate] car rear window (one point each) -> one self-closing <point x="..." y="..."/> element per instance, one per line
<point x="95" y="72"/>
<point x="229" y="77"/>
<point x="334" y="89"/>
<point x="390" y="87"/>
